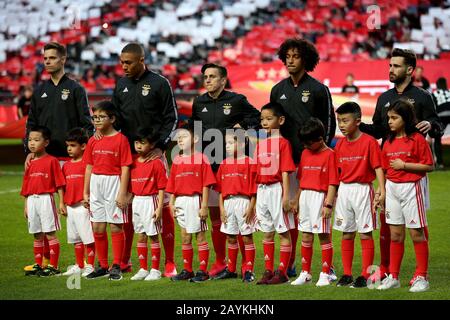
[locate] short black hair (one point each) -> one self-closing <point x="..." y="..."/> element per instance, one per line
<point x="46" y="133"/>
<point x="58" y="47"/>
<point x="134" y="48"/>
<point x="308" y="52"/>
<point x="276" y="108"/>
<point x="312" y="130"/>
<point x="350" y="107"/>
<point x="222" y="70"/>
<point x="150" y="134"/>
<point x="106" y="106"/>
<point x="441" y="83"/>
<point x="78" y="135"/>
<point x="408" y="55"/>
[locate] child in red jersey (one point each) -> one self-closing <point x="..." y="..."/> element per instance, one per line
<point x="79" y="227"/>
<point x="148" y="181"/>
<point x="189" y="181"/>
<point x="406" y="159"/>
<point x="42" y="178"/>
<point x="236" y="185"/>
<point x="359" y="163"/>
<point x="318" y="180"/>
<point x="106" y="188"/>
<point x="274" y="162"/>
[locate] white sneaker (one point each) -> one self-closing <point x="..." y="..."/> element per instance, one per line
<point x="71" y="270"/>
<point x="140" y="275"/>
<point x="332" y="275"/>
<point x="324" y="280"/>
<point x="420" y="284"/>
<point x="88" y="269"/>
<point x="303" y="278"/>
<point x="389" y="283"/>
<point x="153" y="275"/>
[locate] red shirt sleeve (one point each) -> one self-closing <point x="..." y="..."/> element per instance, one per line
<point x="87" y="156"/>
<point x="375" y="154"/>
<point x="24" y="190"/>
<point x="125" y="152"/>
<point x="208" y="177"/>
<point x="300" y="165"/>
<point x="60" y="181"/>
<point x="286" y="162"/>
<point x="333" y="177"/>
<point x="218" y="186"/>
<point x="423" y="151"/>
<point x="170" y="187"/>
<point x="384" y="157"/>
<point x="161" y="175"/>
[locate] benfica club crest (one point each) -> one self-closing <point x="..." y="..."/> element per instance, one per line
<point x="146" y="89"/>
<point x="227" y="108"/>
<point x="65" y="94"/>
<point x="305" y="96"/>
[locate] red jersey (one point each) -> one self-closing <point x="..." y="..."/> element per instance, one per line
<point x="273" y="156"/>
<point x="42" y="176"/>
<point x="317" y="170"/>
<point x="108" y="154"/>
<point x="189" y="174"/>
<point x="147" y="178"/>
<point x="74" y="173"/>
<point x="413" y="149"/>
<point x="357" y="160"/>
<point x="236" y="177"/>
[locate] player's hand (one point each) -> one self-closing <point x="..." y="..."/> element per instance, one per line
<point x="379" y="201"/>
<point x="62" y="209"/>
<point x="294" y="206"/>
<point x="28" y="159"/>
<point x="157" y="215"/>
<point x="397" y="164"/>
<point x="203" y="213"/>
<point x="423" y="126"/>
<point x="326" y="212"/>
<point x="249" y="215"/>
<point x="223" y="216"/>
<point x="121" y="201"/>
<point x="154" y="154"/>
<point x="286" y="206"/>
<point x="97" y="135"/>
<point x="86" y="200"/>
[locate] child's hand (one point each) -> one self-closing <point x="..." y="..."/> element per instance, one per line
<point x="326" y="212"/>
<point x="397" y="164"/>
<point x="203" y="213"/>
<point x="86" y="200"/>
<point x="249" y="215"/>
<point x="223" y="216"/>
<point x="62" y="209"/>
<point x="379" y="201"/>
<point x="158" y="214"/>
<point x="121" y="201"/>
<point x="294" y="206"/>
<point x="286" y="205"/>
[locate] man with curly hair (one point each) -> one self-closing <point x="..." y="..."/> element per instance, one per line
<point x="302" y="98"/>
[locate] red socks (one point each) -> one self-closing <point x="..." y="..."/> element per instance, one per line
<point x="397" y="250"/>
<point x="90" y="252"/>
<point x="156" y="255"/>
<point x="142" y="251"/>
<point x="348" y="250"/>
<point x="168" y="234"/>
<point x="128" y="230"/>
<point x="188" y="254"/>
<point x="219" y="239"/>
<point x="101" y="247"/>
<point x="38" y="249"/>
<point x="118" y="244"/>
<point x="233" y="249"/>
<point x="285" y="255"/>
<point x="327" y="257"/>
<point x="203" y="256"/>
<point x="368" y="253"/>
<point x="306" y="252"/>
<point x="79" y="254"/>
<point x="385" y="244"/>
<point x="54" y="252"/>
<point x="269" y="248"/>
<point x="421" y="249"/>
<point x="249" y="257"/>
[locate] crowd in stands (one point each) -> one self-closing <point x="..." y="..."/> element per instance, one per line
<point x="180" y="35"/>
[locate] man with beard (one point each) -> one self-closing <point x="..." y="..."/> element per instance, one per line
<point x="401" y="68"/>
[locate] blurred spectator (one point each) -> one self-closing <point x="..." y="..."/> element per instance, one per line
<point x="349" y="86"/>
<point x="24" y="103"/>
<point x="442" y="99"/>
<point x="419" y="80"/>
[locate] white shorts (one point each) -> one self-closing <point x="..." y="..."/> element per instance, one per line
<point x="354" y="208"/>
<point x="310" y="216"/>
<point x="187" y="213"/>
<point x="79" y="227"/>
<point x="213" y="198"/>
<point x="104" y="190"/>
<point x="405" y="204"/>
<point x="235" y="207"/>
<point x="269" y="209"/>
<point x="42" y="214"/>
<point x="143" y="211"/>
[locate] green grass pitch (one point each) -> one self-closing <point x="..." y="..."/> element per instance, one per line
<point x="16" y="251"/>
